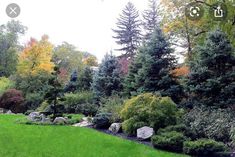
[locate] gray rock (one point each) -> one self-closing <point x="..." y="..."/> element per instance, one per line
<point x="115" y="128"/>
<point x="60" y="120"/>
<point x="145" y="133"/>
<point x="9" y="112"/>
<point x="34" y="116"/>
<point x="1" y="110"/>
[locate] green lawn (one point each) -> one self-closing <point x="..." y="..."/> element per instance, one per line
<point x="18" y="140"/>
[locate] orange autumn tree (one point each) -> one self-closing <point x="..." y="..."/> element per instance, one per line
<point x="36" y="57"/>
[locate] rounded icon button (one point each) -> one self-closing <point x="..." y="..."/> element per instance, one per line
<point x="13" y="10"/>
<point x="218" y="12"/>
<point x="194" y="11"/>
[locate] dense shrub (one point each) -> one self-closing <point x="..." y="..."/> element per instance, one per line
<point x="80" y="103"/>
<point x="203" y="147"/>
<point x="178" y="128"/>
<point x="149" y="109"/>
<point x="172" y="141"/>
<point x="102" y="120"/>
<point x="5" y="84"/>
<point x="131" y="125"/>
<point x="12" y="100"/>
<point x="112" y="105"/>
<point x="33" y="100"/>
<point x="78" y="98"/>
<point x="210" y="123"/>
<point x="87" y="109"/>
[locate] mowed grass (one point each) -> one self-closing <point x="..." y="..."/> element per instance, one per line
<point x="18" y="140"/>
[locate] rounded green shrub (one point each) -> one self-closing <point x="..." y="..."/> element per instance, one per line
<point x="149" y="109"/>
<point x="102" y="120"/>
<point x="172" y="141"/>
<point x="203" y="147"/>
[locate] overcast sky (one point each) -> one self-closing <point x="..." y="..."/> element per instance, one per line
<point x="86" y="24"/>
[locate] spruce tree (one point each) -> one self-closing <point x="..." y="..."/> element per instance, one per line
<point x="107" y="79"/>
<point x="85" y="79"/>
<point x="212" y="76"/>
<point x="55" y="92"/>
<point x="151" y="18"/>
<point x="128" y="32"/>
<point x="154" y="63"/>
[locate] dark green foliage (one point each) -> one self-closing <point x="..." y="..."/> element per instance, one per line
<point x="85" y="79"/>
<point x="102" y="120"/>
<point x="34" y="88"/>
<point x="107" y="80"/>
<point x="148" y="109"/>
<point x="172" y="141"/>
<point x="151" y="71"/>
<point x="178" y="128"/>
<point x="9" y="47"/>
<point x="203" y="147"/>
<point x="112" y="105"/>
<point x="72" y="85"/>
<point x="212" y="77"/>
<point x="128" y="32"/>
<point x="210" y="123"/>
<point x="55" y="91"/>
<point x="13" y="100"/>
<point x="81" y="102"/>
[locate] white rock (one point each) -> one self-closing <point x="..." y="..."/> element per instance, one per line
<point x="9" y="112"/>
<point x="60" y="120"/>
<point x="115" y="128"/>
<point x="83" y="124"/>
<point x="144" y="133"/>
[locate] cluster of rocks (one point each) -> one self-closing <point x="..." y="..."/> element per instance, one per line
<point x="41" y="118"/>
<point x="143" y="133"/>
<point x="4" y="111"/>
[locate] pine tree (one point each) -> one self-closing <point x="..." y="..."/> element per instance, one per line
<point x="128" y="32"/>
<point x="55" y="92"/>
<point x="85" y="79"/>
<point x="72" y="84"/>
<point x="154" y="63"/>
<point x="151" y="18"/>
<point x="212" y="76"/>
<point x="107" y="79"/>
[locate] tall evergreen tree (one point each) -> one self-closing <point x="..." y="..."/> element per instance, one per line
<point x="212" y="76"/>
<point x="85" y="79"/>
<point x="154" y="63"/>
<point x="128" y="32"/>
<point x="55" y="92"/>
<point x="151" y="18"/>
<point x="107" y="79"/>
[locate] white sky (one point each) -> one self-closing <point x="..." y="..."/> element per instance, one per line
<point x="86" y="24"/>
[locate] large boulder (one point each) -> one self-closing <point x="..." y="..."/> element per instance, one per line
<point x="9" y="112"/>
<point x="35" y="117"/>
<point x="1" y="110"/>
<point x="60" y="120"/>
<point x="115" y="128"/>
<point x="144" y="133"/>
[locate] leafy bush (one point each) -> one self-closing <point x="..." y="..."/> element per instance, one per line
<point x="78" y="98"/>
<point x="43" y="106"/>
<point x="102" y="120"/>
<point x="33" y="100"/>
<point x="131" y="125"/>
<point x="5" y="84"/>
<point x="203" y="147"/>
<point x="210" y="123"/>
<point x="12" y="100"/>
<point x="169" y="141"/>
<point x="112" y="105"/>
<point x="87" y="109"/>
<point x="149" y="109"/>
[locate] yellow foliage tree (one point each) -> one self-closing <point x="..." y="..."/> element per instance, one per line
<point x="36" y="57"/>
